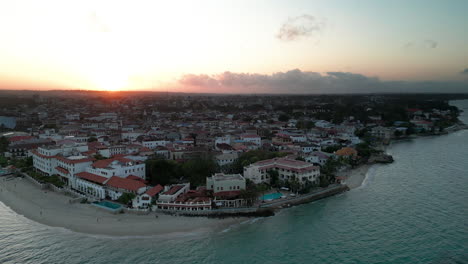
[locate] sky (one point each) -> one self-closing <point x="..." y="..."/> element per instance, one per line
<point x="238" y="46"/>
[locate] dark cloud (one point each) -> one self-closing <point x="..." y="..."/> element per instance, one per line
<point x="465" y="71"/>
<point x="428" y="44"/>
<point x="299" y="82"/>
<point x="431" y="43"/>
<point x="301" y="26"/>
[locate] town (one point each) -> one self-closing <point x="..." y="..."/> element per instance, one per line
<point x="196" y="154"/>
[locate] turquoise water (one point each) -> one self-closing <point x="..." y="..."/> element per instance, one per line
<point x="271" y="196"/>
<point x="412" y="211"/>
<point x="107" y="204"/>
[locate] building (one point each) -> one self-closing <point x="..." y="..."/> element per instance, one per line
<point x="226" y="158"/>
<point x="146" y="199"/>
<point x="288" y="169"/>
<point x="118" y="166"/>
<point x="45" y="157"/>
<point x="221" y="182"/>
<point x="256" y="139"/>
<point x="116" y="186"/>
<point x="381" y="132"/>
<point x="171" y="193"/>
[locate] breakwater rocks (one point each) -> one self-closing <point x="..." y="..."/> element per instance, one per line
<point x="307" y="198"/>
<point x="264" y="209"/>
<point x="381" y="158"/>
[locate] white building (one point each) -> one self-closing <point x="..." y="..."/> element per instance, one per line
<point x="287" y="169"/>
<point x="256" y="139"/>
<point x="45" y="157"/>
<point x="171" y="193"/>
<point x="226" y="158"/>
<point x="152" y="144"/>
<point x="221" y="182"/>
<point x="121" y="167"/>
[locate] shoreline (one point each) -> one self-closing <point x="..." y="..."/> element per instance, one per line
<point x="53" y="209"/>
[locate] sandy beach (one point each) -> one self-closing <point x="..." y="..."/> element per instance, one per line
<point x="355" y="177"/>
<point x="53" y="209"/>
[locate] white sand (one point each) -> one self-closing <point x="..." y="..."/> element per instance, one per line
<point x="53" y="209"/>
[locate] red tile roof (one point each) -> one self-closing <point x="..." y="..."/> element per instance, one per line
<point x="174" y="189"/>
<point x="19" y="138"/>
<point x="62" y="170"/>
<point x="155" y="190"/>
<point x="136" y="178"/>
<point x="74" y="161"/>
<point x="91" y="177"/>
<point x="124" y="183"/>
<point x="106" y="162"/>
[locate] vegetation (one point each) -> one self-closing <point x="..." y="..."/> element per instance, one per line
<point x="3" y="144"/>
<point x="126" y="198"/>
<point x="54" y="179"/>
<point x="274" y="178"/>
<point x="92" y="139"/>
<point x="331" y="149"/>
<point x="164" y="172"/>
<point x="99" y="157"/>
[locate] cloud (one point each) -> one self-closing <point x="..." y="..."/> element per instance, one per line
<point x="465" y="71"/>
<point x="428" y="44"/>
<point x="431" y="43"/>
<point x="304" y="82"/>
<point x="300" y="26"/>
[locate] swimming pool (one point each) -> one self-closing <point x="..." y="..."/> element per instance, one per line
<point x="108" y="205"/>
<point x="271" y="196"/>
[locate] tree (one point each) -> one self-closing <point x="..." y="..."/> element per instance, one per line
<point x="274" y="177"/>
<point x="92" y="139"/>
<point x="197" y="170"/>
<point x="162" y="171"/>
<point x="125" y="198"/>
<point x="4" y="144"/>
<point x="283" y="118"/>
<point x="194" y="136"/>
<point x="99" y="157"/>
<point x="398" y="133"/>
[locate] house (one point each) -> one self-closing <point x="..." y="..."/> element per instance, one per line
<point x="256" y="139"/>
<point x="221" y="182"/>
<point x="116" y="186"/>
<point x="381" y="132"/>
<point x="288" y="169"/>
<point x="317" y="157"/>
<point x="146" y="199"/>
<point x="226" y="189"/>
<point x="226" y="158"/>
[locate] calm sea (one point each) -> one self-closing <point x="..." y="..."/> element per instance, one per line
<point x="412" y="211"/>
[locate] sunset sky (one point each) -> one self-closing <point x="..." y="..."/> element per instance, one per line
<point x="232" y="46"/>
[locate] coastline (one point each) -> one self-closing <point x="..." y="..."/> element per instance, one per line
<point x="53" y="209"/>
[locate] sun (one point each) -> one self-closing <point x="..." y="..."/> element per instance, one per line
<point x="111" y="82"/>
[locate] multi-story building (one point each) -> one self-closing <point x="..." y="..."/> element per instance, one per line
<point x="45" y="157"/>
<point x="120" y="166"/>
<point x="288" y="169"/>
<point x="221" y="182"/>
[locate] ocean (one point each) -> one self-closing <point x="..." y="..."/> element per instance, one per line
<point x="414" y="210"/>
